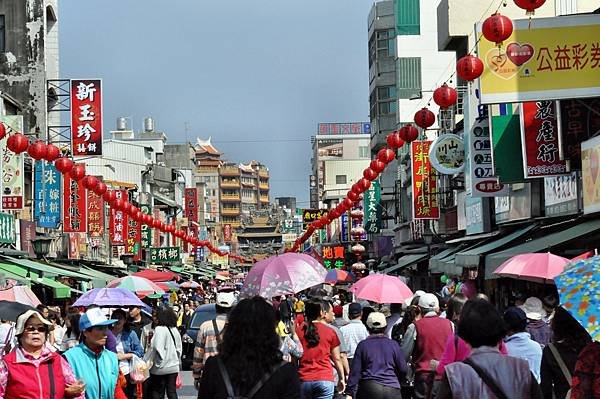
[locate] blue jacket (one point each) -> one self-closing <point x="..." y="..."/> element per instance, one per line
<point x="99" y="372"/>
<point x="131" y="343"/>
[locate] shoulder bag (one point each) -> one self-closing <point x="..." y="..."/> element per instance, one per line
<point x="489" y="381"/>
<point x="178" y="381"/>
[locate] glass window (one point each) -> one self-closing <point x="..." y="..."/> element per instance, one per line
<point x="408" y="19"/>
<point x="340" y="179"/>
<point x="408" y="70"/>
<point x="363" y="152"/>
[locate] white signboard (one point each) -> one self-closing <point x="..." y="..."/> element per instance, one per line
<point x="481" y="171"/>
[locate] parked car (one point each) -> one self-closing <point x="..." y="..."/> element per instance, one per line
<point x="201" y="314"/>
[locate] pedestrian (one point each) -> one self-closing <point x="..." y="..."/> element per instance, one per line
<point x="321" y="348"/>
<point x="537" y="327"/>
<point x="586" y="378"/>
<point x="7" y="333"/>
<point x="72" y="333"/>
<point x="92" y="363"/>
<point x="355" y="331"/>
<point x="378" y="365"/>
<point x="399" y="334"/>
<point x="394" y="318"/>
<point x="188" y="312"/>
<point x="57" y="332"/>
<point x="518" y="341"/>
<point x="165" y="354"/>
<point x="249" y="361"/>
<point x="128" y="346"/>
<point x="31" y="369"/>
<point x="137" y="320"/>
<point x="486" y="373"/>
<point x="560" y="356"/>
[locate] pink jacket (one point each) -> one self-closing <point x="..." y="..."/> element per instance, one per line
<point x="458" y="350"/>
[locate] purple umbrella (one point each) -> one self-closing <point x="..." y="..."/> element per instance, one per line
<point x="109" y="297"/>
<point x="283" y="274"/>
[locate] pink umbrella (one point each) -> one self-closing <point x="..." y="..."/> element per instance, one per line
<point x="189" y="284"/>
<point x="21" y="294"/>
<point x="283" y="274"/>
<point x="537" y="267"/>
<point x="381" y="288"/>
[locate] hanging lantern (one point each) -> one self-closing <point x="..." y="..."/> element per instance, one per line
<point x="170" y="228"/>
<point x="100" y="188"/>
<point x="352" y="195"/>
<point x="529" y="5"/>
<point x="445" y="96"/>
<point x="394" y="140"/>
<point x="37" y="150"/>
<point x="424" y="118"/>
<point x="377" y="165"/>
<point x="63" y="165"/>
<point x="348" y="203"/>
<point x="127" y="207"/>
<point x="409" y="133"/>
<point x="370" y="174"/>
<point x="17" y="143"/>
<point x="156" y="223"/>
<point x="469" y="67"/>
<point x="137" y="215"/>
<point x="357" y="231"/>
<point x="2" y="131"/>
<point x="77" y="172"/>
<point x="117" y="204"/>
<point x="356" y="214"/>
<point x="89" y="182"/>
<point x="497" y="28"/>
<point x="52" y="152"/>
<point x="358" y="249"/>
<point x="364" y="184"/>
<point x="358" y="266"/>
<point x="147" y="219"/>
<point x="333" y="214"/>
<point x="386" y="155"/>
<point x="109" y="196"/>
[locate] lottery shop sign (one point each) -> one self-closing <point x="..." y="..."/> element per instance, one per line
<point x="86" y="117"/>
<point x="540" y="137"/>
<point x="545" y="59"/>
<point x="424" y="182"/>
<point x="334" y="257"/>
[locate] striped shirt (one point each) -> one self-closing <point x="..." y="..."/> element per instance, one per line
<point x="206" y="343"/>
<point x="353" y="333"/>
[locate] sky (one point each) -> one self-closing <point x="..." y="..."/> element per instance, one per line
<point x="255" y="75"/>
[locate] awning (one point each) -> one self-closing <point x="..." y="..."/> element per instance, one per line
<point x="60" y="290"/>
<point x="437" y="263"/>
<point x="405" y="261"/>
<point x="45" y="268"/>
<point x="471" y="257"/>
<point x="544" y="243"/>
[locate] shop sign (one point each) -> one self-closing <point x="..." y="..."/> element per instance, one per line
<point x="507" y="150"/>
<point x="156" y="235"/>
<point x="372" y="208"/>
<point x="77" y="245"/>
<point x="48" y="202"/>
<point x="289" y="237"/>
<point x="561" y="195"/>
<point x="164" y="255"/>
<point x="540" y="137"/>
<point x="551" y="58"/>
<point x="191" y="204"/>
<point x="327" y="148"/>
<point x="75" y="206"/>
<point x="447" y="154"/>
<point x="8" y="234"/>
<point x="86" y="117"/>
<point x="227" y="232"/>
<point x="334" y="257"/>
<point x="578" y="119"/>
<point x="345" y="128"/>
<point x="118" y="222"/>
<point x="590" y="174"/>
<point x="477" y="215"/>
<point x="424" y="183"/>
<point x="518" y="205"/>
<point x="344" y="227"/>
<point x="13" y="182"/>
<point x="311" y="215"/>
<point x="132" y="243"/>
<point x="146" y="231"/>
<point x="95" y="219"/>
<point x="27" y="233"/>
<point x="481" y="167"/>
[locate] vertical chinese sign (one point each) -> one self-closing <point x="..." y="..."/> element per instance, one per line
<point x="118" y="222"/>
<point x="132" y="244"/>
<point x="372" y="208"/>
<point x="47" y="183"/>
<point x="75" y="209"/>
<point x="12" y="168"/>
<point x="95" y="215"/>
<point x="86" y="117"/>
<point x="227" y="232"/>
<point x="540" y="136"/>
<point x="7" y="229"/>
<point x="156" y="241"/>
<point x="191" y="204"/>
<point x="424" y="183"/>
<point x="27" y="232"/>
<point x="146" y="231"/>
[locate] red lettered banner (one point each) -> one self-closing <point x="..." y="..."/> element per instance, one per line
<point x="227" y="232"/>
<point x="95" y="217"/>
<point x="74" y="209"/>
<point x="191" y="204"/>
<point x="157" y="233"/>
<point x="424" y="183"/>
<point x="86" y="117"/>
<point x="133" y="242"/>
<point x="118" y="222"/>
<point x="540" y="135"/>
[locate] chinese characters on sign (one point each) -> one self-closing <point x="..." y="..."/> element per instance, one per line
<point x="345" y="128"/>
<point x="86" y="117"/>
<point x="447" y="154"/>
<point x="47" y="204"/>
<point x="132" y="242"/>
<point x="424" y="183"/>
<point x="311" y="215"/>
<point x="227" y="232"/>
<point x="191" y="204"/>
<point x="334" y="257"/>
<point x="146" y="231"/>
<point x="481" y="173"/>
<point x="540" y="136"/>
<point x="95" y="214"/>
<point x="372" y="208"/>
<point x="118" y="222"/>
<point x="164" y="255"/>
<point x="578" y="118"/>
<point x="7" y="229"/>
<point x="75" y="209"/>
<point x="590" y="165"/>
<point x="12" y="168"/>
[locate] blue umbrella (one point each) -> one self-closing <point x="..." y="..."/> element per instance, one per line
<point x="109" y="298"/>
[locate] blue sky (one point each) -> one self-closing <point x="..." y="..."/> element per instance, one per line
<point x="235" y="70"/>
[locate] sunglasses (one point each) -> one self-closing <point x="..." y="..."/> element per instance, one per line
<point x="40" y="329"/>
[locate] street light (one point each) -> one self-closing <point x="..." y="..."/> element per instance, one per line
<point x="420" y="95"/>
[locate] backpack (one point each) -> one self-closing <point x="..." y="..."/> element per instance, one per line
<point x="230" y="391"/>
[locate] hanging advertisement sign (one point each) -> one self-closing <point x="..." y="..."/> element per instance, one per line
<point x="327" y="148"/>
<point x="193" y="231"/>
<point x="561" y="195"/>
<point x="75" y="206"/>
<point x="118" y="222"/>
<point x="578" y="119"/>
<point x="156" y="235"/>
<point x="553" y="58"/>
<point x="86" y="117"/>
<point x="447" y="154"/>
<point x="8" y="234"/>
<point x="27" y="233"/>
<point x="372" y="208"/>
<point x="345" y="231"/>
<point x="227" y="232"/>
<point x="590" y="174"/>
<point x="481" y="167"/>
<point x="48" y="202"/>
<point x="164" y="255"/>
<point x="345" y="128"/>
<point x="191" y="204"/>
<point x="334" y="257"/>
<point x="312" y="215"/>
<point x="507" y="150"/>
<point x="95" y="206"/>
<point x="424" y="183"/>
<point x="74" y="246"/>
<point x="146" y="231"/>
<point x="540" y="136"/>
<point x="477" y="215"/>
<point x="13" y="182"/>
<point x="133" y="236"/>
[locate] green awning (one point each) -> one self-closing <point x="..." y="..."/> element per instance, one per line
<point x="176" y="269"/>
<point x="471" y="257"/>
<point x="60" y="290"/>
<point x="47" y="269"/>
<point x="437" y="263"/>
<point x="405" y="261"/>
<point x="541" y="244"/>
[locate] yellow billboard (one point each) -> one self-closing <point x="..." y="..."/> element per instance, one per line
<point x="554" y="58"/>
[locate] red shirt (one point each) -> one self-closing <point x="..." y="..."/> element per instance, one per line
<point x="315" y="363"/>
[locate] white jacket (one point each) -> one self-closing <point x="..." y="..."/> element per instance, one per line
<point x="165" y="351"/>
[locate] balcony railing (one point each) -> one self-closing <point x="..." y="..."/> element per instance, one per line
<point x="264" y="199"/>
<point x="229" y="198"/>
<point x="229" y="171"/>
<point x="263" y="186"/>
<point x="230" y="183"/>
<point x="230" y="211"/>
<point x="263" y="173"/>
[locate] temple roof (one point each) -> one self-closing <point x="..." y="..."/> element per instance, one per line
<point x="205" y="146"/>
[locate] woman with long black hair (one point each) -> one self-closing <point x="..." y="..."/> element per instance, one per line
<point x="249" y="362"/>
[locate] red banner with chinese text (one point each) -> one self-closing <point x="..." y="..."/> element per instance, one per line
<point x="118" y="222"/>
<point x="424" y="183"/>
<point x="157" y="233"/>
<point x="191" y="204"/>
<point x="95" y="219"/>
<point x="540" y="135"/>
<point x="227" y="232"/>
<point x="133" y="239"/>
<point x="75" y="208"/>
<point x="86" y="117"/>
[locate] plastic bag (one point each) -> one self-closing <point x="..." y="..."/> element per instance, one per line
<point x="140" y="370"/>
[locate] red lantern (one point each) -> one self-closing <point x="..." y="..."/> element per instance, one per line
<point x="394" y="140"/>
<point x="334" y="214"/>
<point x="77" y="172"/>
<point x="37" y="150"/>
<point x="497" y="28"/>
<point x="445" y="96"/>
<point x="2" y="131"/>
<point x="370" y="174"/>
<point x="127" y="207"/>
<point x="63" y="165"/>
<point x="147" y="219"/>
<point x="117" y="204"/>
<point x="137" y="215"/>
<point x="156" y="223"/>
<point x="469" y="67"/>
<point x="100" y="188"/>
<point x="364" y="184"/>
<point x="89" y="182"/>
<point x="348" y="203"/>
<point x="170" y="228"/>
<point x="409" y="133"/>
<point x="386" y="155"/>
<point x="377" y="165"/>
<point x="529" y="5"/>
<point x="424" y="118"/>
<point x="52" y="152"/>
<point x="163" y="226"/>
<point x="352" y="195"/>
<point x="17" y="143"/>
<point x="109" y="196"/>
